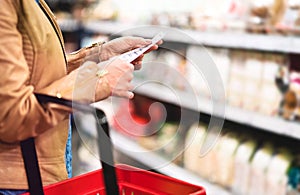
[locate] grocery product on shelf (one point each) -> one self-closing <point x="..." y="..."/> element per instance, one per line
<point x="219" y="15"/>
<point x="225" y="159"/>
<point x="170" y="139"/>
<point x="167" y="137"/>
<point x="271" y="95"/>
<point x="208" y="160"/>
<point x="164" y="140"/>
<point x="242" y="162"/>
<point x="102" y="10"/>
<point x="252" y="75"/>
<point x="258" y="167"/>
<point x="294" y="88"/>
<point x="294" y="177"/>
<point x="236" y="81"/>
<point x="221" y="58"/>
<point x="193" y="144"/>
<point x="291" y="17"/>
<point x="276" y="174"/>
<point x="264" y="15"/>
<point x="194" y="73"/>
<point x="289" y="107"/>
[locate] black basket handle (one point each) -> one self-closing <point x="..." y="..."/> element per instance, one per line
<point x="106" y="156"/>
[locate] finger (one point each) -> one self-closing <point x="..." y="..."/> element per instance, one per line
<point x="124" y="86"/>
<point x="138" y="66"/>
<point x="130" y="94"/>
<point x="159" y="42"/>
<point x="138" y="62"/>
<point x="125" y="94"/>
<point x="140" y="58"/>
<point x="154" y="47"/>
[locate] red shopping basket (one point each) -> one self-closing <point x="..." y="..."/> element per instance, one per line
<point x="131" y="181"/>
<point x="110" y="180"/>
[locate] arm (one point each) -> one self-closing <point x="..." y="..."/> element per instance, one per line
<point x="21" y="115"/>
<point x="104" y="51"/>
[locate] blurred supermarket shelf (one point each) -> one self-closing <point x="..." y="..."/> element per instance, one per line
<point x="151" y="159"/>
<point x="285" y="44"/>
<point x="183" y="99"/>
<point x="272" y="43"/>
<point x="238" y="40"/>
<point x="69" y="25"/>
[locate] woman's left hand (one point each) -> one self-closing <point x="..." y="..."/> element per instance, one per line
<point x="108" y="50"/>
<point x="121" y="45"/>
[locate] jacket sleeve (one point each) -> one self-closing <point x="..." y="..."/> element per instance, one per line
<point x="21" y="116"/>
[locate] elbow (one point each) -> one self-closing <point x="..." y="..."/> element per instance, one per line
<point x="12" y="132"/>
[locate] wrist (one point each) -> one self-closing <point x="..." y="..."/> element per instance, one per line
<point x="75" y="59"/>
<point x="105" y="53"/>
<point x="95" y="52"/>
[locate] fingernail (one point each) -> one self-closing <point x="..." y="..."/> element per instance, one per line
<point x="131" y="95"/>
<point x="148" y="41"/>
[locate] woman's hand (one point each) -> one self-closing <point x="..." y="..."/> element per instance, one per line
<point x="96" y="82"/>
<point x="118" y="75"/>
<point x="121" y="45"/>
<point x="93" y="82"/>
<point x="103" y="52"/>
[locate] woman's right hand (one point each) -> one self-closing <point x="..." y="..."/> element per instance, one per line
<point x="93" y="82"/>
<point x="118" y="74"/>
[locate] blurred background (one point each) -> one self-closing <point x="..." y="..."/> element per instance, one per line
<point x="255" y="46"/>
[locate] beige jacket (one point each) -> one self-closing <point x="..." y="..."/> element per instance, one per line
<point x="31" y="58"/>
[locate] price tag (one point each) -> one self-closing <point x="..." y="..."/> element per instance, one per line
<point x="133" y="54"/>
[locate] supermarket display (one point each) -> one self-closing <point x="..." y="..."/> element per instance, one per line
<point x="258" y="16"/>
<point x="248" y="77"/>
<point x="255" y="47"/>
<point x="242" y="162"/>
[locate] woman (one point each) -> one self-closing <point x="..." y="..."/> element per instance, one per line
<point x="32" y="59"/>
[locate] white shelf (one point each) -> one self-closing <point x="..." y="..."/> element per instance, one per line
<point x="271" y="43"/>
<point x="135" y="151"/>
<point x="69" y="25"/>
<point x="183" y="99"/>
